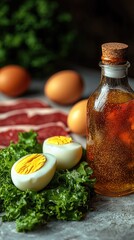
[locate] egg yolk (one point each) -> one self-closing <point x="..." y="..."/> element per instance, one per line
<point x="59" y="140"/>
<point x="30" y="164"/>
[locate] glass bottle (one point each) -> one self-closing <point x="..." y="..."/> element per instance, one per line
<point x="110" y="125"/>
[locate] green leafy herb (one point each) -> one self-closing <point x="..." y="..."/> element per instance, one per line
<point x="67" y="197"/>
<point x="35" y="34"/>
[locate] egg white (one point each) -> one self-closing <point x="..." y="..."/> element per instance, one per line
<point x="37" y="180"/>
<point x="67" y="155"/>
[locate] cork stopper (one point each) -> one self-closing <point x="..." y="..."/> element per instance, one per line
<point x="114" y="53"/>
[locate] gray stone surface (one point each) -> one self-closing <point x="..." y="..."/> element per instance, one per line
<point x="111" y="219"/>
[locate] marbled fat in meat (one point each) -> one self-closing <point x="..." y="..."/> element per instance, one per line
<point x="25" y="115"/>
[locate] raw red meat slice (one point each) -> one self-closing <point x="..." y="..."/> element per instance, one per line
<point x="32" y="116"/>
<point x="25" y="115"/>
<point x="10" y="105"/>
<point x="8" y="134"/>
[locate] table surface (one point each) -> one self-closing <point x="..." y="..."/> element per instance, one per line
<point x="111" y="218"/>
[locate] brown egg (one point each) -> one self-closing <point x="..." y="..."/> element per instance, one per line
<point x="77" y="118"/>
<point x="64" y="87"/>
<point x="14" y="80"/>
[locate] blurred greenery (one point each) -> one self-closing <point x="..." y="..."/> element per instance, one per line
<point x="35" y="34"/>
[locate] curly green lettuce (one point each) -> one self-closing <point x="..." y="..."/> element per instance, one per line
<point x="67" y="197"/>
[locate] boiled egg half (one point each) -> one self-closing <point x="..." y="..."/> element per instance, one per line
<point x="67" y="152"/>
<point x="33" y="171"/>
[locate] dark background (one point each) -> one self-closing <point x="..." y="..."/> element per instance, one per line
<point x="45" y="36"/>
<point x="98" y="22"/>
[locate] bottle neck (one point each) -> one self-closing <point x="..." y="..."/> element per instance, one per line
<point x="115" y="72"/>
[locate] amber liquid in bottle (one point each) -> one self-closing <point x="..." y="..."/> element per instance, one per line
<point x="110" y="132"/>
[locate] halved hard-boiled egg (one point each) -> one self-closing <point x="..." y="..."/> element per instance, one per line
<point x="67" y="152"/>
<point x="33" y="171"/>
